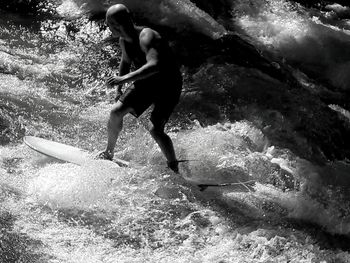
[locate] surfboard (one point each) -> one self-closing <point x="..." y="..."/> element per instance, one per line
<point x="79" y="156"/>
<point x="62" y="151"/>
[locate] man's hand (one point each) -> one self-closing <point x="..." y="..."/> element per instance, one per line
<point x="114" y="80"/>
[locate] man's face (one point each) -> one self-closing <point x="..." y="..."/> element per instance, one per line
<point x="114" y="27"/>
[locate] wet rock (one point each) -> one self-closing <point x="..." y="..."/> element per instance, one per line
<point x="289" y="117"/>
<point x="180" y="15"/>
<point x="21" y="6"/>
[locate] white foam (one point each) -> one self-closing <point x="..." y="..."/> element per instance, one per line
<point x="287" y="30"/>
<point x="72" y="186"/>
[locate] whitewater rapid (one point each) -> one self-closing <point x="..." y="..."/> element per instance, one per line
<point x="52" y="86"/>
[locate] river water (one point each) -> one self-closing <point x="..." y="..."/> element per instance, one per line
<point x="51" y="86"/>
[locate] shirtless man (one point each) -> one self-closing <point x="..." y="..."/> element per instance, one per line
<point x="157" y="80"/>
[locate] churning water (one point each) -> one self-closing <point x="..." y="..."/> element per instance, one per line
<point x="52" y="86"/>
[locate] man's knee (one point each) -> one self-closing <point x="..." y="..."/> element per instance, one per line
<point x="119" y="110"/>
<point x="116" y="113"/>
<point x="156" y="131"/>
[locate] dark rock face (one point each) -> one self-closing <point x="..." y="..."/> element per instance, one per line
<point x="290" y="117"/>
<point x="20" y="6"/>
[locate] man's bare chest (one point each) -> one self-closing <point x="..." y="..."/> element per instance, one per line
<point x="135" y="54"/>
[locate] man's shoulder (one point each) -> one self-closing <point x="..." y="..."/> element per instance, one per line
<point x="148" y="35"/>
<point x="147" y="30"/>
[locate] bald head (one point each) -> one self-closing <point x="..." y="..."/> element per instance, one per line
<point x="119" y="14"/>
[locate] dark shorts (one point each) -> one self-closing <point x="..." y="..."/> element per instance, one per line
<point x="164" y="94"/>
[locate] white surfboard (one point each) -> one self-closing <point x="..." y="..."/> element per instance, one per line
<point x="79" y="156"/>
<point x="62" y="151"/>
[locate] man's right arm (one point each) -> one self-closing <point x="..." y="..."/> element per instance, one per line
<point x="125" y="63"/>
<point x="124" y="66"/>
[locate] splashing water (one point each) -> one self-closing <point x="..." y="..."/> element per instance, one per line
<point x="98" y="212"/>
<point x="293" y="34"/>
<point x="116" y="213"/>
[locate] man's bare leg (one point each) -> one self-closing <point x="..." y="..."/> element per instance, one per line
<point x="166" y="146"/>
<point x="114" y="127"/>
